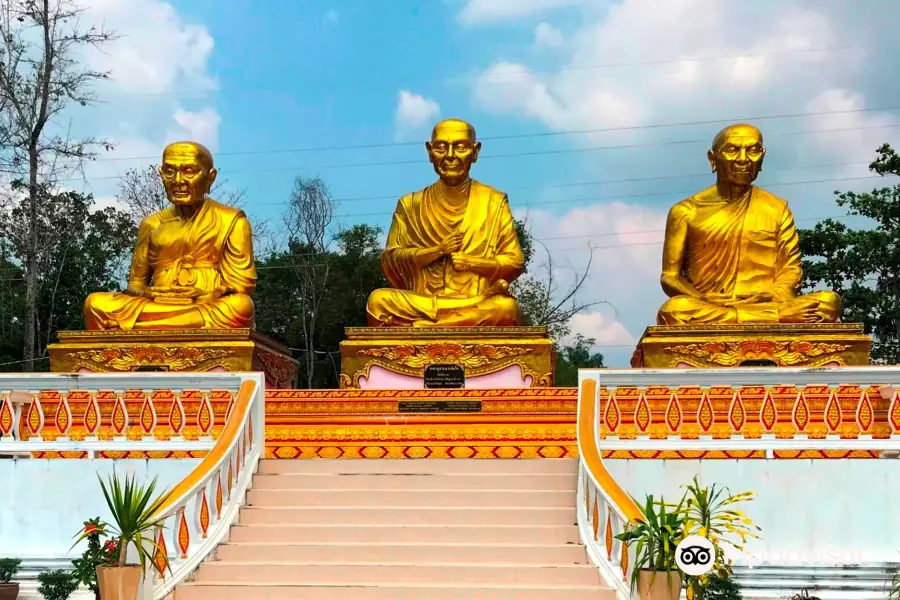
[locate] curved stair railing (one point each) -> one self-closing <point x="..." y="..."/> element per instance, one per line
<point x="604" y="508"/>
<point x="202" y="507"/>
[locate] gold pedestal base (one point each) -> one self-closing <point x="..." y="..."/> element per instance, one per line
<point x="174" y="350"/>
<point x="479" y="350"/>
<point x="724" y="346"/>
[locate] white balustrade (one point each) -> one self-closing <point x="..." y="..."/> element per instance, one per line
<point x="202" y="508"/>
<point x="62" y="413"/>
<point x="773" y="410"/>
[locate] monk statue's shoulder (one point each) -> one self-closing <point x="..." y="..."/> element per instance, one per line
<point x="229" y="212"/>
<point x="769" y="199"/>
<point x="684" y="209"/>
<point x="484" y="190"/>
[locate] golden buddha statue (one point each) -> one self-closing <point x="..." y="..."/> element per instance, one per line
<point x="452" y="249"/>
<point x="193" y="263"/>
<point x="731" y="252"/>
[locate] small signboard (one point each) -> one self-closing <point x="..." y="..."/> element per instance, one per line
<point x="444" y="377"/>
<point x="439" y="406"/>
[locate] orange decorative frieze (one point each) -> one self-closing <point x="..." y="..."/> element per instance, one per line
<point x="750" y="411"/>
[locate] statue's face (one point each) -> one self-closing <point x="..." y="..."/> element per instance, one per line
<point x="739" y="157"/>
<point x="185" y="176"/>
<point x="453" y="150"/>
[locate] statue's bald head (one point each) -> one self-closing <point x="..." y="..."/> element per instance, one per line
<point x="453" y="125"/>
<point x="737" y="154"/>
<point x="187" y="172"/>
<point x="198" y="151"/>
<point x="453" y="150"/>
<point x="740" y="130"/>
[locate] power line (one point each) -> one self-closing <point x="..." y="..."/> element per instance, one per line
<point x="684" y="193"/>
<point x="566" y="237"/>
<point x="684" y="60"/>
<point x="601" y="182"/>
<point x="522" y="154"/>
<point x="525" y="135"/>
<point x="529" y="71"/>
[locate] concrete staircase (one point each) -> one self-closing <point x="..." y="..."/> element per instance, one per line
<point x="404" y="530"/>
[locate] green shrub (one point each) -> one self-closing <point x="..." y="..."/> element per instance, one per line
<point x="9" y="568"/>
<point x="57" y="585"/>
<point x="719" y="588"/>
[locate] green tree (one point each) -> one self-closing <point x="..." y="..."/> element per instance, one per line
<point x="86" y="250"/>
<point x="353" y="271"/>
<point x="578" y="354"/>
<point x="863" y="265"/>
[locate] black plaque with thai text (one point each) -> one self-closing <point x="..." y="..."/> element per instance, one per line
<point x="439" y="406"/>
<point x="444" y="377"/>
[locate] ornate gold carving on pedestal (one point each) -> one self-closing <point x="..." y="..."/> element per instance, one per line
<point x="470" y="356"/>
<point x="718" y="346"/>
<point x="479" y="350"/>
<point x="173" y="350"/>
<point x="732" y="354"/>
<point x="126" y="359"/>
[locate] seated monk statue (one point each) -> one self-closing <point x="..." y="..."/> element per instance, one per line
<point x="193" y="263"/>
<point x="731" y="252"/>
<point x="452" y="249"/>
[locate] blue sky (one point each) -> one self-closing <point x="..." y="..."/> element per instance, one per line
<point x="260" y="82"/>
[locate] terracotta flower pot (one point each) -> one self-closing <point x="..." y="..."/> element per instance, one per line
<point x="9" y="591"/>
<point x="658" y="586"/>
<point x="119" y="583"/>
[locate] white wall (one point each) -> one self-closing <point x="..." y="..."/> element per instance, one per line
<point x="811" y="511"/>
<point x="43" y="503"/>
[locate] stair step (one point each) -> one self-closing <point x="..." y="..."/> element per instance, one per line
<point x="424" y="466"/>
<point x="559" y="554"/>
<point x="416" y="481"/>
<point x="387" y="591"/>
<point x="404" y="533"/>
<point x="403" y="515"/>
<point x="511" y="500"/>
<point x="411" y="573"/>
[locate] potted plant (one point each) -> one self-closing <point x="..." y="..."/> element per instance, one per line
<point x="98" y="552"/>
<point x="133" y="508"/>
<point x="710" y="512"/>
<point x="655" y="537"/>
<point x="57" y="585"/>
<point x="9" y="568"/>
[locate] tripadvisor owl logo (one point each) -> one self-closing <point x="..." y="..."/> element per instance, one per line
<point x="695" y="555"/>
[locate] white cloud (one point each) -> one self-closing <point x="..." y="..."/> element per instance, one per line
<point x="200" y="126"/>
<point x="624" y="269"/>
<point x="156" y="49"/>
<point x="414" y="114"/>
<point x="547" y="36"/>
<point x="605" y="330"/>
<point x="630" y="68"/>
<point x="478" y="12"/>
<point x="160" y="87"/>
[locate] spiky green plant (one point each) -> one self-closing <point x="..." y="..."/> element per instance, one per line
<point x="655" y="537"/>
<point x="711" y="514"/>
<point x="133" y="507"/>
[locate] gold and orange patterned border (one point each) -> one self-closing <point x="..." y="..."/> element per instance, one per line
<point x="526" y="423"/>
<point x="750" y="412"/>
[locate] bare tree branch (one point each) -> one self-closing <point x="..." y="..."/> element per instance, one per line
<point x="308" y="218"/>
<point x="40" y="76"/>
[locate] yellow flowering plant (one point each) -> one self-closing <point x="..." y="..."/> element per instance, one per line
<point x="711" y="513"/>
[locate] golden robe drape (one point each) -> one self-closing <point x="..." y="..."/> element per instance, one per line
<point x="431" y="292"/>
<point x="213" y="251"/>
<point x="737" y="249"/>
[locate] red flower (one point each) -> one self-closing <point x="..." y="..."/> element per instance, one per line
<point x="90" y="529"/>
